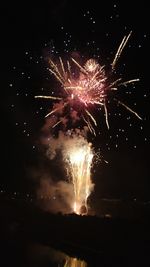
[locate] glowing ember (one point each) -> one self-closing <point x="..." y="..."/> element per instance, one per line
<point x="79" y="161"/>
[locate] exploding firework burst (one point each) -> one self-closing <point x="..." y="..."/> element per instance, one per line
<point x="89" y="87"/>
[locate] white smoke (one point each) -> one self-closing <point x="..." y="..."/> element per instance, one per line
<point x="55" y="192"/>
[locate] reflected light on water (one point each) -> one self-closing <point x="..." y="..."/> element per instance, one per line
<point x="74" y="262"/>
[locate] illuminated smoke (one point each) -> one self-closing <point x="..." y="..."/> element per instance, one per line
<point x="54" y="196"/>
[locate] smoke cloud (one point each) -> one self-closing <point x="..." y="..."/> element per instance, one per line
<point x="55" y="196"/>
<point x="55" y="191"/>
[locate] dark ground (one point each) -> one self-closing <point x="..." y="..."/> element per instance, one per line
<point x="108" y="242"/>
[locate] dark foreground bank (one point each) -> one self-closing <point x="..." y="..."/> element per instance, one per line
<point x="100" y="242"/>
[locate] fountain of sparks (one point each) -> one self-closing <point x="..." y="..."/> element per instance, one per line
<point x="78" y="157"/>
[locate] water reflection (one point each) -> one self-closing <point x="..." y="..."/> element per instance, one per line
<point x="74" y="262"/>
<point x="39" y="255"/>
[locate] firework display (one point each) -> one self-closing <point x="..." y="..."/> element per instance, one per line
<point x="83" y="86"/>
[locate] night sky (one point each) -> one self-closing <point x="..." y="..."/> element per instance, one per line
<point x="32" y="32"/>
